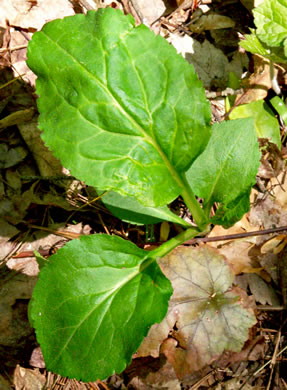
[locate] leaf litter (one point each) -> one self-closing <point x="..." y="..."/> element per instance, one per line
<point x="260" y="267"/>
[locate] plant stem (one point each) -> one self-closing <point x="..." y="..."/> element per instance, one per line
<point x="169" y="245"/>
<point x="197" y="212"/>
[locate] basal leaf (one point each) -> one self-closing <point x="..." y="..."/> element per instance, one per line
<point x="265" y="122"/>
<point x="228" y="166"/>
<point x="118" y="106"/>
<point x="271" y="22"/>
<point x="228" y="214"/>
<point x="93" y="304"/>
<point x="209" y="317"/>
<point x="130" y="210"/>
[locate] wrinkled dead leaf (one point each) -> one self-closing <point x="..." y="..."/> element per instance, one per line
<point x="262" y="292"/>
<point x="258" y="83"/>
<point x="211" y="21"/>
<point x="25" y="379"/>
<point x="7" y="232"/>
<point x="11" y="157"/>
<point x="211" y="65"/>
<point x="47" y="164"/>
<point x="149" y="12"/>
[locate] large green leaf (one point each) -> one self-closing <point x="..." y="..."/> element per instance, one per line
<point x="130" y="210"/>
<point x="118" y="106"/>
<point x="94" y="303"/>
<point x="265" y="122"/>
<point x="228" y="166"/>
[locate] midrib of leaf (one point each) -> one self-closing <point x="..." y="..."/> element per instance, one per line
<point x="148" y="139"/>
<point x="215" y="181"/>
<point x="105" y="298"/>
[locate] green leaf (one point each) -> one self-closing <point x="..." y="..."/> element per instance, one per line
<point x="228" y="166"/>
<point x="264" y="120"/>
<point x="254" y="45"/>
<point x="209" y="317"/>
<point x="280" y="107"/>
<point x="93" y="304"/>
<point x="227" y="215"/>
<point x="118" y="106"/>
<point x="271" y="22"/>
<point x="130" y="210"/>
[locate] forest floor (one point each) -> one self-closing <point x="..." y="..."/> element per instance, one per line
<point x="39" y="211"/>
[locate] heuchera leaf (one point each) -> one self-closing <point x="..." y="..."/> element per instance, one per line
<point x="130" y="210"/>
<point x="209" y="317"/>
<point x="118" y="106"/>
<point x="228" y="166"/>
<point x="93" y="305"/>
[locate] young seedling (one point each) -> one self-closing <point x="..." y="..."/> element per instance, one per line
<point x="269" y="39"/>
<point x="125" y="113"/>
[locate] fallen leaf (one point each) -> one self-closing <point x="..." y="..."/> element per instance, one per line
<point x="262" y="292"/>
<point x="25" y="379"/>
<point x="210" y="63"/>
<point x="258" y="83"/>
<point x="211" y="22"/>
<point x="148" y="12"/>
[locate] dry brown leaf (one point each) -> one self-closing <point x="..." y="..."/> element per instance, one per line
<point x="25" y="379"/>
<point x="258" y="83"/>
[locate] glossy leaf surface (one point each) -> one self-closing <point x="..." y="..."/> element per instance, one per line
<point x="130" y="210"/>
<point x="265" y="122"/>
<point x="94" y="303"/>
<point x="228" y="166"/>
<point x="118" y="106"/>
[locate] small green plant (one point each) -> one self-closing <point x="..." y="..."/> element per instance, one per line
<point x="269" y="39"/>
<point x="126" y="114"/>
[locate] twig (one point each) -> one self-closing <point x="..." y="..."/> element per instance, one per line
<point x="235" y="236"/>
<point x="269" y="361"/>
<point x="273" y="360"/>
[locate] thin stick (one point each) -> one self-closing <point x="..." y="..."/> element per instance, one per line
<point x="269" y="361"/>
<point x="236" y="236"/>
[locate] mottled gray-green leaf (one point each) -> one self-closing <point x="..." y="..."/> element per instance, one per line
<point x="118" y="106"/>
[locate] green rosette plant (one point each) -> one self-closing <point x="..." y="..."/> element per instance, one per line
<point x="128" y="115"/>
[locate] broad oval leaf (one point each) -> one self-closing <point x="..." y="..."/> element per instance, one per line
<point x="94" y="303"/>
<point x="228" y="166"/>
<point x="208" y="315"/>
<point x="265" y="122"/>
<point x="118" y="106"/>
<point x="130" y="210"/>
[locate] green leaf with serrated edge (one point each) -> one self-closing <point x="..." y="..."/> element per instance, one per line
<point x="209" y="318"/>
<point x="254" y="45"/>
<point x="227" y="215"/>
<point x="94" y="303"/>
<point x="265" y="122"/>
<point x="130" y="210"/>
<point x="118" y="106"/>
<point x="228" y="166"/>
<point x="271" y="22"/>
